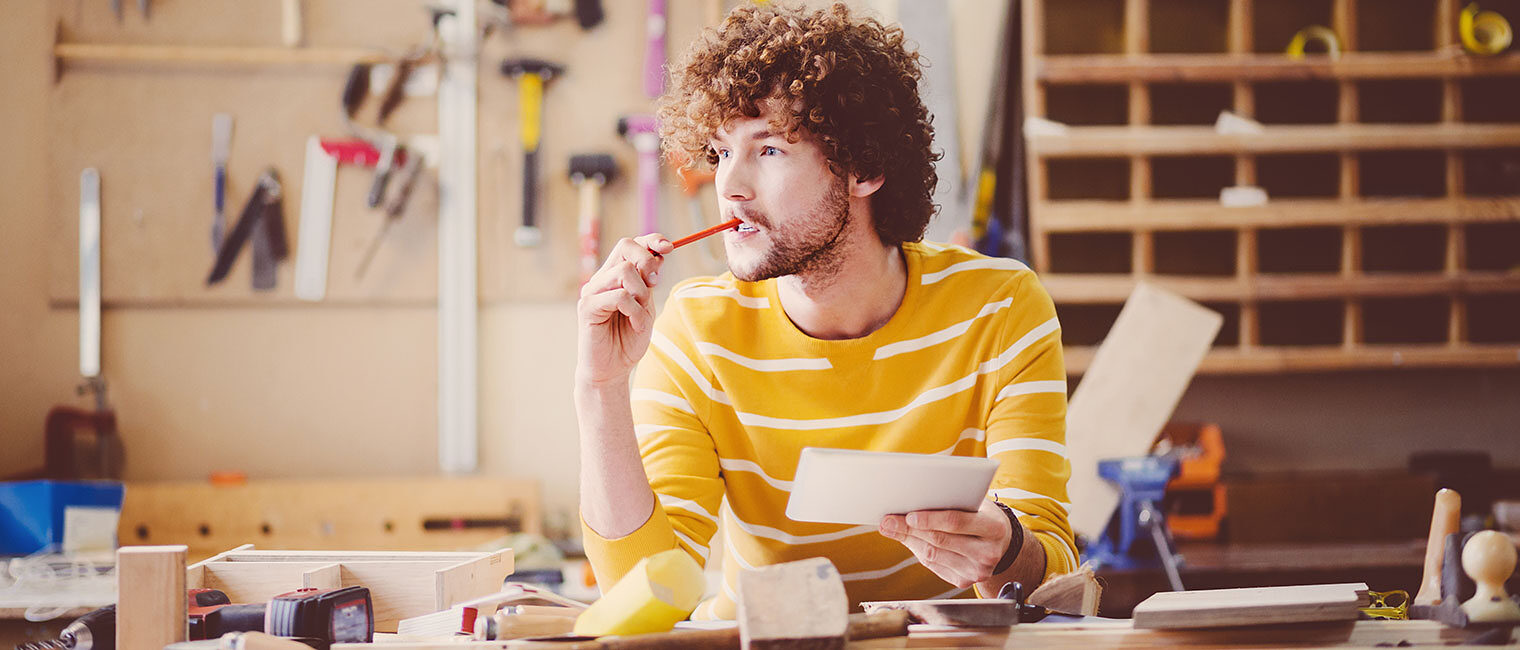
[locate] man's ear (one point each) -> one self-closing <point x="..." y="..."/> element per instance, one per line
<point x="864" y="187"/>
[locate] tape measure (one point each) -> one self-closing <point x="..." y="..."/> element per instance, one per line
<point x="1316" y="34"/>
<point x="1483" y="32"/>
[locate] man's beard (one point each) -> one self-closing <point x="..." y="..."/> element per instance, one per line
<point x="813" y="248"/>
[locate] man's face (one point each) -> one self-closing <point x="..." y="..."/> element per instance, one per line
<point x="794" y="209"/>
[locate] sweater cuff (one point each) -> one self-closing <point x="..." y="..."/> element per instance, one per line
<point x="612" y="558"/>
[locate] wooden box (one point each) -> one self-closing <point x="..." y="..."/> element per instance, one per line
<point x="401" y="584"/>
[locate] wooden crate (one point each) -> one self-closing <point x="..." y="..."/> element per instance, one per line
<point x="1392" y="235"/>
<point x="413" y="514"/>
<point x="401" y="584"/>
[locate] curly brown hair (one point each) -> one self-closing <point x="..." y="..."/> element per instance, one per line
<point x="850" y="83"/>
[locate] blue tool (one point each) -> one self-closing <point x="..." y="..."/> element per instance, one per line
<point x="1142" y="484"/>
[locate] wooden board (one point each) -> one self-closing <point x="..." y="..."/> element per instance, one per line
<point x="1251" y="606"/>
<point x="350" y="514"/>
<point x="151" y="597"/>
<point x="1129" y="391"/>
<point x="401" y="585"/>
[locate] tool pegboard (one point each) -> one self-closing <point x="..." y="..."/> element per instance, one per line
<point x="1390" y="233"/>
<point x="135" y="97"/>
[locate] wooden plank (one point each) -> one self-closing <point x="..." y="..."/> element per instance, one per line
<point x="400" y="589"/>
<point x="1142" y="253"/>
<point x="1032" y="22"/>
<point x="1136" y="378"/>
<point x="1284" y="359"/>
<point x="357" y="514"/>
<point x="1098" y="288"/>
<point x="1250" y="606"/>
<point x="1162" y="68"/>
<point x="324" y="577"/>
<point x="1183" y="214"/>
<point x="120" y="54"/>
<point x="471" y="579"/>
<point x="150" y="585"/>
<point x="1105" y="141"/>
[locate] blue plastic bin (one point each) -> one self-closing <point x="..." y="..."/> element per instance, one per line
<point x="31" y="512"/>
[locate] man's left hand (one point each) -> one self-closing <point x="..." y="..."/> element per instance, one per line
<point x="963" y="548"/>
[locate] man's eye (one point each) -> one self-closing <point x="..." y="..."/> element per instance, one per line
<point x="769" y="151"/>
<point x="722" y="153"/>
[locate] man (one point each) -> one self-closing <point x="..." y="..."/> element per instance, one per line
<point x="835" y="327"/>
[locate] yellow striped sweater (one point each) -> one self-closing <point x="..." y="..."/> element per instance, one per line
<point x="731" y="391"/>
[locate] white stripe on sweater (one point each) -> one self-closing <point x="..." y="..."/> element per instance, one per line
<point x="763" y="365"/>
<point x="1001" y="263"/>
<point x="742" y="465"/>
<point x="1026" y="444"/>
<point x="901" y="347"/>
<point x="927" y="397"/>
<point x="713" y="291"/>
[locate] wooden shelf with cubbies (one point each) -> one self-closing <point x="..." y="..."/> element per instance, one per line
<point x="1391" y="235"/>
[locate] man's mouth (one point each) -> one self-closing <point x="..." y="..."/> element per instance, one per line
<point x="746" y="227"/>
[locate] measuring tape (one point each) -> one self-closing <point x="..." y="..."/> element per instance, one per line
<point x="1315" y="33"/>
<point x="1484" y="32"/>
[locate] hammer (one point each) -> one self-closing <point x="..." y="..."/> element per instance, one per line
<point x="589" y="172"/>
<point x="531" y="74"/>
<point x="643" y="132"/>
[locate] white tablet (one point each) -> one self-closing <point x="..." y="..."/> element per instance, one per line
<point x="846" y="486"/>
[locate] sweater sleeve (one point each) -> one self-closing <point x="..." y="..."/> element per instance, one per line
<point x="671" y="394"/>
<point x="1026" y="431"/>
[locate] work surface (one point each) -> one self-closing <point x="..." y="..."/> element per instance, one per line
<point x="1119" y="633"/>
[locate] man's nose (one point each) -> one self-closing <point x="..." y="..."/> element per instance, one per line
<point x="734" y="181"/>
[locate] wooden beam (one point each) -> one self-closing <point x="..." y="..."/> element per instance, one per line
<point x="1077" y="288"/>
<point x="1185" y="214"/>
<point x="1124" y="68"/>
<point x="1281" y="359"/>
<point x="1113" y="141"/>
<point x="67" y="53"/>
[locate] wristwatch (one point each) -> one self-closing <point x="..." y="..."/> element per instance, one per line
<point x="1015" y="543"/>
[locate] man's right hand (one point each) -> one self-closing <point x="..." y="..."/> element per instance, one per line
<point x="616" y="310"/>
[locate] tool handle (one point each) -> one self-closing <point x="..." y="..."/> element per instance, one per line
<point x="219" y="220"/>
<point x="355" y="88"/>
<point x="654" y="60"/>
<point x="528" y="235"/>
<point x="382" y="173"/>
<point x="590" y="227"/>
<point x="290" y="23"/>
<point x="649" y="189"/>
<point x="1445" y="519"/>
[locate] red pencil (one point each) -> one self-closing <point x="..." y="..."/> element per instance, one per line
<point x="706" y="232"/>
